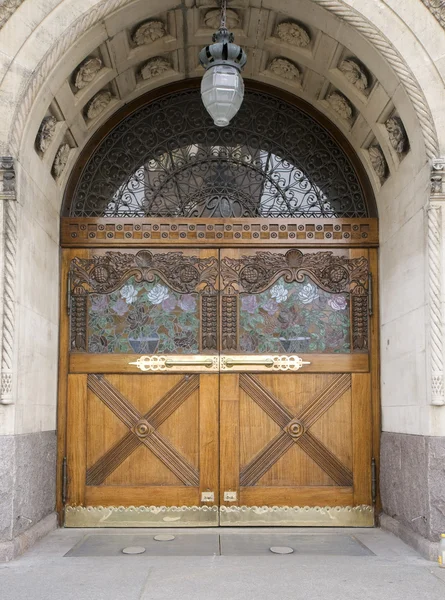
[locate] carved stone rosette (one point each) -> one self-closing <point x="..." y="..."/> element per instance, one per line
<point x="105" y="273"/>
<point x="8" y="223"/>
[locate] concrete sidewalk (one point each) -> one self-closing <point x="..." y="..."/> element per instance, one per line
<point x="222" y="564"/>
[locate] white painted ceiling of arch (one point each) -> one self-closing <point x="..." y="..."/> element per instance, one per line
<point x="359" y="110"/>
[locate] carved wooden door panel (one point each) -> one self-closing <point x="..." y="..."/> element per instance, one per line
<point x="295" y="388"/>
<point x="142" y="433"/>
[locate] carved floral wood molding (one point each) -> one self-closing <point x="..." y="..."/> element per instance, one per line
<point x="105" y="273"/>
<point x="256" y="273"/>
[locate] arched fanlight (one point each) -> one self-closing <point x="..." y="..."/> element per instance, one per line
<point x="222" y="87"/>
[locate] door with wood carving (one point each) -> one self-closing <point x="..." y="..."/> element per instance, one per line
<point x="296" y="435"/>
<point x="142" y="433"/>
<point x="223" y="386"/>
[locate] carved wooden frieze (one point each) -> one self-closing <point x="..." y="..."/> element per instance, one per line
<point x="107" y="272"/>
<point x="256" y="273"/>
<point x="84" y="232"/>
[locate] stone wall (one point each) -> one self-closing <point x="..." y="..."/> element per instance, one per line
<point x="413" y="482"/>
<point x="27" y="484"/>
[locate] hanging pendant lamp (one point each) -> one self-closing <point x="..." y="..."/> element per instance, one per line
<point x="222" y="87"/>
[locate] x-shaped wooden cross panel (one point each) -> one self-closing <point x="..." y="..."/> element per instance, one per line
<point x="142" y="430"/>
<point x="295" y="430"/>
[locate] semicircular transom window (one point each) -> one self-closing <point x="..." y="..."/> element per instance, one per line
<point x="167" y="159"/>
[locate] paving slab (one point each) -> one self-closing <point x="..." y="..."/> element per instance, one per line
<point x="384" y="569"/>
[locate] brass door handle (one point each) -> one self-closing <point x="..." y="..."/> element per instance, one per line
<point x="204" y="362"/>
<point x="230" y="361"/>
<point x="160" y="362"/>
<point x="275" y="362"/>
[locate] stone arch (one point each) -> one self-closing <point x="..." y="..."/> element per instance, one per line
<point x="399" y="51"/>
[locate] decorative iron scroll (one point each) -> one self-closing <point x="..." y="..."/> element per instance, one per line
<point x="169" y="160"/>
<point x="106" y="287"/>
<point x="294" y="302"/>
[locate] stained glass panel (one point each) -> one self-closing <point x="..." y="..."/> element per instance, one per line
<point x="143" y="317"/>
<point x="295" y="317"/>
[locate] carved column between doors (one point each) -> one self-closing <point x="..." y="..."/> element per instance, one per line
<point x="8" y="243"/>
<point x="435" y="275"/>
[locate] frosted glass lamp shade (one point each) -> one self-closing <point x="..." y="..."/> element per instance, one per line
<point x="222" y="92"/>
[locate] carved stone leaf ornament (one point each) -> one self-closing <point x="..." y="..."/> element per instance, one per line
<point x="7" y="8"/>
<point x="87" y="72"/>
<point x="285" y="68"/>
<point x="378" y="161"/>
<point x="212" y="19"/>
<point x="149" y="32"/>
<point x="46" y="133"/>
<point x="354" y="73"/>
<point x="293" y="34"/>
<point x="98" y="104"/>
<point x="340" y="105"/>
<point x="154" y="67"/>
<point x="397" y="134"/>
<point x="61" y="159"/>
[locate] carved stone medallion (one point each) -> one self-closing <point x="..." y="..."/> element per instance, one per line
<point x="340" y="105"/>
<point x="154" y="67"/>
<point x="87" y="72"/>
<point x="212" y="19"/>
<point x="98" y="104"/>
<point x="46" y="133"/>
<point x="397" y="134"/>
<point x="61" y="159"/>
<point x="378" y="161"/>
<point x="354" y="73"/>
<point x="285" y="68"/>
<point x="293" y="34"/>
<point x="149" y="32"/>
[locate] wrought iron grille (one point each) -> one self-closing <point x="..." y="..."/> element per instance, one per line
<point x="168" y="160"/>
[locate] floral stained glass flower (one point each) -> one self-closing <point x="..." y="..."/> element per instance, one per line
<point x="169" y="304"/>
<point x="129" y="293"/>
<point x="249" y="304"/>
<point x="99" y="304"/>
<point x="188" y="303"/>
<point x="279" y="292"/>
<point x="158" y="294"/>
<point x="120" y="307"/>
<point x="337" y="302"/>
<point x="308" y="294"/>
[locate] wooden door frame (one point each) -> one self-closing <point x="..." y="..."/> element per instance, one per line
<point x="289" y="233"/>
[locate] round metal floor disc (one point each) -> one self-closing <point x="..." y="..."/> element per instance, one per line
<point x="133" y="550"/>
<point x="164" y="537"/>
<point x="281" y="550"/>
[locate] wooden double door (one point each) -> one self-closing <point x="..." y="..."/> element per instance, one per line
<point x="214" y="386"/>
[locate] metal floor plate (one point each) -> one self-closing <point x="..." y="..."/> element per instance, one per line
<point x="322" y="544"/>
<point x="213" y="544"/>
<point x="112" y="545"/>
